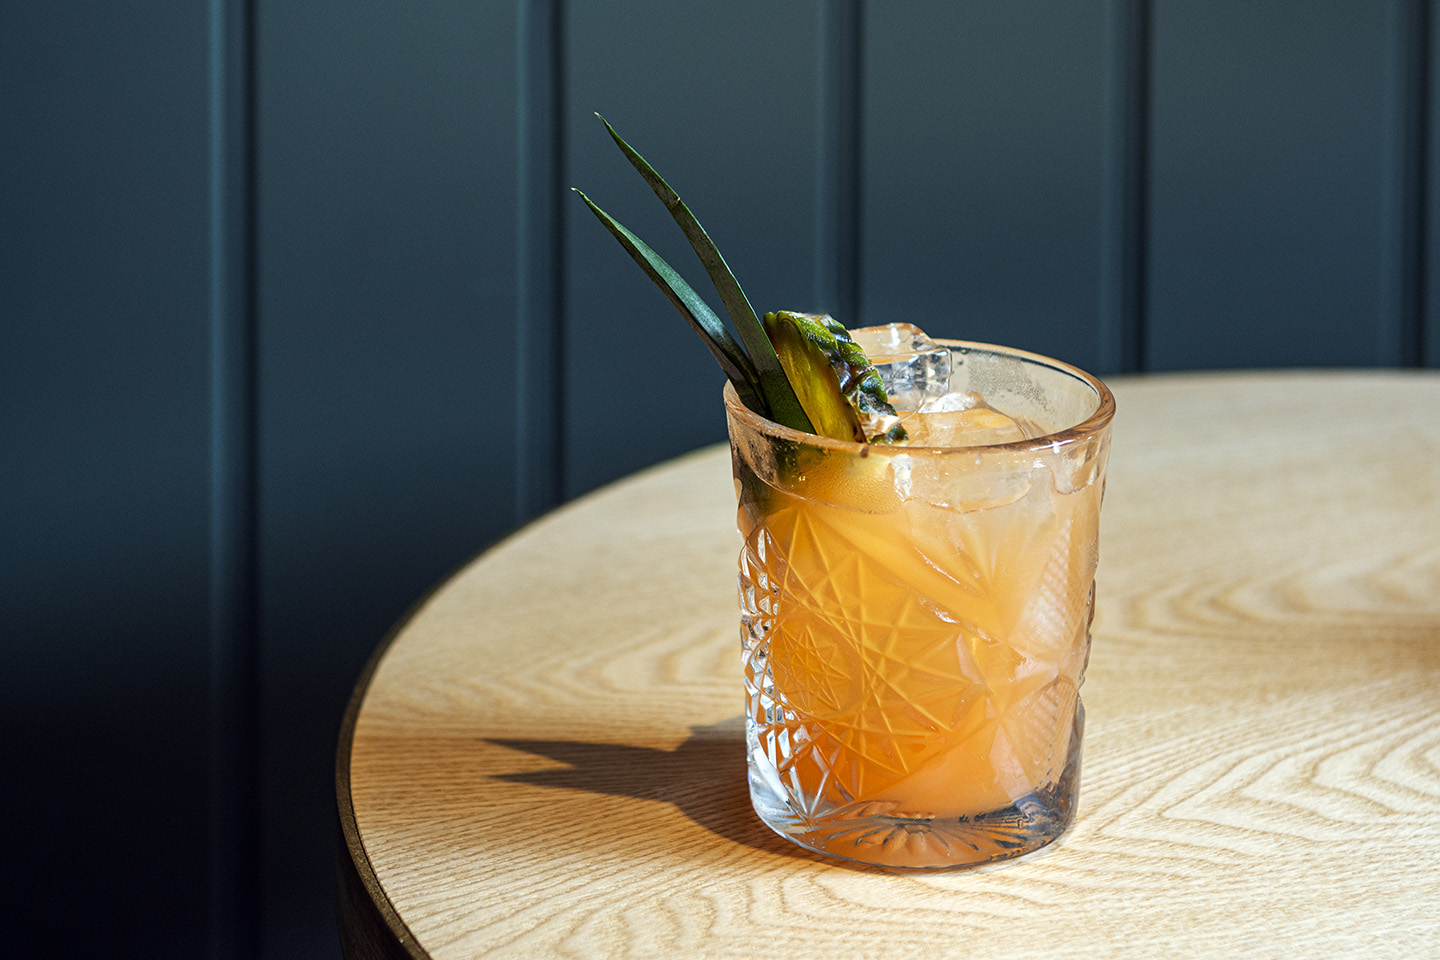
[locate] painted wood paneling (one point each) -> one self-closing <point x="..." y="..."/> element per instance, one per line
<point x="721" y="100"/>
<point x="104" y="479"/>
<point x="1268" y="185"/>
<point x="540" y="202"/>
<point x="387" y="354"/>
<point x="1429" y="347"/>
<point x="443" y="335"/>
<point x="982" y="192"/>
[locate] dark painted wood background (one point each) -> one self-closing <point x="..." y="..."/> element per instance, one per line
<point x="298" y="314"/>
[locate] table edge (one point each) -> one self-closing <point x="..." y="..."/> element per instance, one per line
<point x="370" y="927"/>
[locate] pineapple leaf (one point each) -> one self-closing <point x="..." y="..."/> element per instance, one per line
<point x="732" y="359"/>
<point x="784" y="406"/>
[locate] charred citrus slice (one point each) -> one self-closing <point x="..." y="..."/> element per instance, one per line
<point x="836" y="384"/>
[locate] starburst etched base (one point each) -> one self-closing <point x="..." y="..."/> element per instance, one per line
<point x="865" y="833"/>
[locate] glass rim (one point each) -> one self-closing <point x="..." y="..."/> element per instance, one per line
<point x="1090" y="426"/>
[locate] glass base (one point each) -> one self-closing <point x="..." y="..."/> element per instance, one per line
<point x="859" y="834"/>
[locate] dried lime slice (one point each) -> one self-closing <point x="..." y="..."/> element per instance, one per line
<point x="837" y="385"/>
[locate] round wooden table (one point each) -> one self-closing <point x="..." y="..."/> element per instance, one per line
<point x="547" y="759"/>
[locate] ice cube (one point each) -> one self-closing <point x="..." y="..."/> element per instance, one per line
<point x="952" y="402"/>
<point x="970" y="400"/>
<point x="913" y="367"/>
<point x="972" y="426"/>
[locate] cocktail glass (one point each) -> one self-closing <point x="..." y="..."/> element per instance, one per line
<point x="915" y="622"/>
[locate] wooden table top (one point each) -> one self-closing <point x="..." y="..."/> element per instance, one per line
<point x="547" y="757"/>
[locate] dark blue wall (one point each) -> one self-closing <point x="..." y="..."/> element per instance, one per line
<point x="298" y="314"/>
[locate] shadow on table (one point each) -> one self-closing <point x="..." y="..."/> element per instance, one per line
<point x="705" y="777"/>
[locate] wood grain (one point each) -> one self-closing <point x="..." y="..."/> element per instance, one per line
<point x="548" y="758"/>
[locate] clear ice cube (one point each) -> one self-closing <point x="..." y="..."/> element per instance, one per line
<point x="953" y="425"/>
<point x="954" y="402"/>
<point x="914" y="367"/>
<point x="963" y="401"/>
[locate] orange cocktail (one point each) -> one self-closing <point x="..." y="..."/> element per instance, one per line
<point x="916" y="617"/>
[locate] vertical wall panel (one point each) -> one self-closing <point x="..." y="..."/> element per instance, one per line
<point x="1401" y="268"/>
<point x="1430" y="236"/>
<point x="234" y="743"/>
<point x="1121" y="338"/>
<point x="104" y="476"/>
<point x="539" y="293"/>
<point x="982" y="193"/>
<point x="387" y="311"/>
<point x="1268" y="205"/>
<point x="837" y="162"/>
<point x="721" y="99"/>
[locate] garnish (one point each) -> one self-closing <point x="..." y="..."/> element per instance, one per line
<point x="838" y="386"/>
<point x="817" y="372"/>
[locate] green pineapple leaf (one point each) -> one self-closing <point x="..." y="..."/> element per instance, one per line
<point x="775" y="388"/>
<point x="702" y="319"/>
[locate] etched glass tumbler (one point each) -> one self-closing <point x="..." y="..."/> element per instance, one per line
<point x="915" y="621"/>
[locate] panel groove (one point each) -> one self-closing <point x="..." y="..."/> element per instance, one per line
<point x="837" y="160"/>
<point x="1123" y="213"/>
<point x="540" y="259"/>
<point x="1427" y="332"/>
<point x="1403" y="269"/>
<point x="233" y="694"/>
